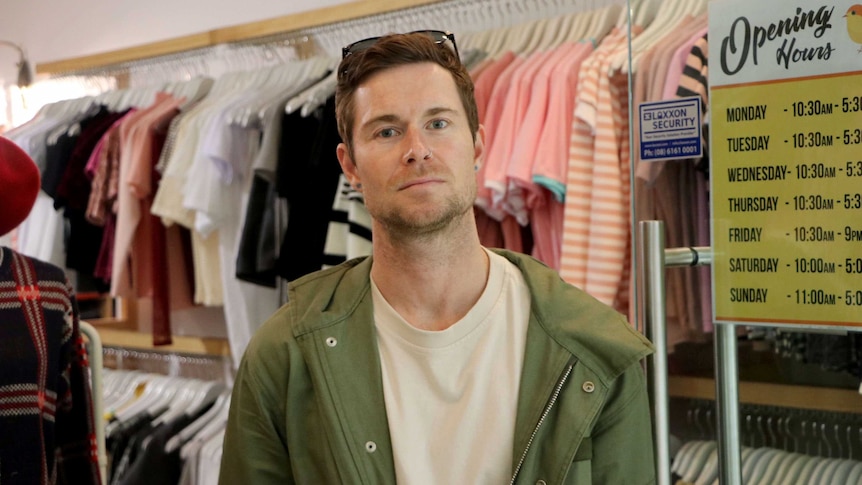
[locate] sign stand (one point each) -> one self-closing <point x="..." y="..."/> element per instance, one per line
<point x="655" y="259"/>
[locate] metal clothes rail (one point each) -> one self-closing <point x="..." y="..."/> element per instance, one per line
<point x="94" y="349"/>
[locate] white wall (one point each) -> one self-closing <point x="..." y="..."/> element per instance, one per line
<point x="52" y="30"/>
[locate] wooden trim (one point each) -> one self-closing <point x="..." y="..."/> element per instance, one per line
<point x="313" y="18"/>
<point x="247" y="31"/>
<point x="767" y="394"/>
<point x="153" y="49"/>
<point x="131" y="339"/>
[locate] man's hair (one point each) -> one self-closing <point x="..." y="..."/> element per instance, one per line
<point x="395" y="50"/>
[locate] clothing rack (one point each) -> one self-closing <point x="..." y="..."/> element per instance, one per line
<point x="303" y="38"/>
<point x="456" y="15"/>
<point x="172" y="364"/>
<point x="779" y="445"/>
<point x="820" y="433"/>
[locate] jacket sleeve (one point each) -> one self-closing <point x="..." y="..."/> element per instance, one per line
<point x="622" y="438"/>
<point x="255" y="447"/>
<point x="77" y="461"/>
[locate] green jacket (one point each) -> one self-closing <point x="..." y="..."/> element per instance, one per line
<point x="307" y="404"/>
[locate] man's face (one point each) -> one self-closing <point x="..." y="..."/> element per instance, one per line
<point x="402" y="115"/>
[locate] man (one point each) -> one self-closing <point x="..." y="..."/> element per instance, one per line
<point x="435" y="360"/>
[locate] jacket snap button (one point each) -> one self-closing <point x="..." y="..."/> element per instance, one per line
<point x="588" y="386"/>
<point x="371" y="447"/>
<point x="331" y="342"/>
<point x="540" y="482"/>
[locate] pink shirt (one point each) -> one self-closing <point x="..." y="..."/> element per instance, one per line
<point x="578" y="205"/>
<point x="536" y="93"/>
<point x="490" y="232"/>
<point x="491" y="121"/>
<point x="133" y="275"/>
<point x="513" y="111"/>
<point x="552" y="155"/>
<point x="551" y="159"/>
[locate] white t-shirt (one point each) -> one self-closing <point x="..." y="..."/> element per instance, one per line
<point x="451" y="396"/>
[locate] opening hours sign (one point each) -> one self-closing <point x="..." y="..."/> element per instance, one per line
<point x="786" y="153"/>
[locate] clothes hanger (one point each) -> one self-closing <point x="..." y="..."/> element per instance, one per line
<point x="806" y="473"/>
<point x="686" y="461"/>
<point x="762" y="465"/>
<point x="123" y="389"/>
<point x="646" y="12"/>
<point x="795" y="468"/>
<point x="151" y="387"/>
<point x="843" y="470"/>
<point x="775" y="468"/>
<point x="830" y="473"/>
<point x="682" y="455"/>
<point x="186" y="391"/>
<point x="290" y="81"/>
<point x="195" y="394"/>
<point x="834" y="460"/>
<point x="154" y="399"/>
<point x="539" y="31"/>
<point x="133" y="392"/>
<point x="321" y="90"/>
<point x="189" y="432"/>
<point x="698" y="461"/>
<point x="481" y="38"/>
<point x="710" y="469"/>
<point x="252" y="82"/>
<point x="668" y="14"/>
<point x="194" y="90"/>
<point x="820" y="469"/>
<point x="318" y="97"/>
<point x="215" y="424"/>
<point x="208" y="394"/>
<point x="855" y="475"/>
<point x="247" y="106"/>
<point x="783" y="467"/>
<point x="526" y="37"/>
<point x="603" y="22"/>
<point x="567" y="27"/>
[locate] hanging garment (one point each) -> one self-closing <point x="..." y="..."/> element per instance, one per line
<point x="307" y="177"/>
<point x="47" y="431"/>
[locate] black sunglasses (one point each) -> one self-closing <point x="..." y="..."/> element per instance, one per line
<point x="440" y="37"/>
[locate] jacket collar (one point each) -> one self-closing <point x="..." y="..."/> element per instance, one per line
<point x="570" y="317"/>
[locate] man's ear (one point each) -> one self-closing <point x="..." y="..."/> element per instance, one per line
<point x="479" y="147"/>
<point x="347" y="164"/>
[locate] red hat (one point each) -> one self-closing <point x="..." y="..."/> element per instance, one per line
<point x="19" y="185"/>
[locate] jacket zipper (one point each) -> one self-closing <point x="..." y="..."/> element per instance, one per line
<point x="545" y="413"/>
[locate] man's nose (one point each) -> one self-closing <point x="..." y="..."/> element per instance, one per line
<point x="416" y="147"/>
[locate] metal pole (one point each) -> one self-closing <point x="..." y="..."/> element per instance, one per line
<point x="652" y="249"/>
<point x="695" y="256"/>
<point x="94" y="344"/>
<point x="727" y="402"/>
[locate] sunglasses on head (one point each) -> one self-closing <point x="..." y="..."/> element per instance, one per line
<point x="439" y="36"/>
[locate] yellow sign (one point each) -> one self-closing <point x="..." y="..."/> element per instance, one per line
<point x="786" y="144"/>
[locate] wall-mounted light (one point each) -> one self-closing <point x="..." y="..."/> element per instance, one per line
<point x="25" y="75"/>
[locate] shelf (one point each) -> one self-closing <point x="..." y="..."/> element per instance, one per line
<point x="247" y="31"/>
<point x="767" y="394"/>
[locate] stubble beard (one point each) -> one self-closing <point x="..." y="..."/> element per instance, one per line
<point x="404" y="223"/>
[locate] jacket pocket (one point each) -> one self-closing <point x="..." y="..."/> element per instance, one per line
<point x="581" y="470"/>
<point x="585" y="450"/>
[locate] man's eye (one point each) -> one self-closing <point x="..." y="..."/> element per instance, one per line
<point x="439" y="124"/>
<point x="386" y="133"/>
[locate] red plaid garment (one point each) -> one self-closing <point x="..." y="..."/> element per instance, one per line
<point x="46" y="421"/>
